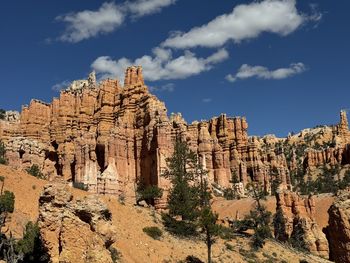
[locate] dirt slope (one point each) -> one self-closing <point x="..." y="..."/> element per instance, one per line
<point x="231" y="208"/>
<point x="133" y="244"/>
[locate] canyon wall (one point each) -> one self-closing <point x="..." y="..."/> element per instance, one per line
<point x="110" y="136"/>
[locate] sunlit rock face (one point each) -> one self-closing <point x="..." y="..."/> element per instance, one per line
<point x="338" y="229"/>
<point x="110" y="136"/>
<point x="298" y="222"/>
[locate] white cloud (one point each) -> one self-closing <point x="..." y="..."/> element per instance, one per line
<point x="169" y="87"/>
<point x="88" y="23"/>
<point x="206" y="100"/>
<point x="160" y="66"/>
<point x="246" y="21"/>
<point x="247" y="71"/>
<point x="146" y="7"/>
<point x="62" y="85"/>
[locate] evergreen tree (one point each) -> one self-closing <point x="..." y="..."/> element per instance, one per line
<point x="183" y="196"/>
<point x="2" y="153"/>
<point x="207" y="219"/>
<point x="148" y="193"/>
<point x="2" y="114"/>
<point x="189" y="198"/>
<point x="259" y="218"/>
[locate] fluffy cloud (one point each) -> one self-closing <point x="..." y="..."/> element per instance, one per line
<point x="87" y="24"/>
<point x="247" y="71"/>
<point x="146" y="7"/>
<point x="161" y="66"/>
<point x="246" y="21"/>
<point x="169" y="87"/>
<point x="62" y="85"/>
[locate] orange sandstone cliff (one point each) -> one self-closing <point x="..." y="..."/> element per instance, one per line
<point x="110" y="136"/>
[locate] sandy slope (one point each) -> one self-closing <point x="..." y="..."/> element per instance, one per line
<point x="133" y="244"/>
<point x="231" y="208"/>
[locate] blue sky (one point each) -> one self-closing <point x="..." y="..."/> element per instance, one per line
<point x="283" y="64"/>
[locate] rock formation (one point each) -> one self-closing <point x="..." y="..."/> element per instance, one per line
<point x="297" y="222"/>
<point x="338" y="230"/>
<point x="74" y="231"/>
<point x="108" y="137"/>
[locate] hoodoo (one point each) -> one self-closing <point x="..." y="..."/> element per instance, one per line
<point x="109" y="137"/>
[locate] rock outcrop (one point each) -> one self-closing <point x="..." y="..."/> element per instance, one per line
<point x="338" y="230"/>
<point x="74" y="230"/>
<point x="297" y="223"/>
<point x="108" y="137"/>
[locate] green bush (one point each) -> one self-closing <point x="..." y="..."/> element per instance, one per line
<point x="115" y="254"/>
<point x="35" y="171"/>
<point x="2" y="153"/>
<point x="2" y="114"/>
<point x="7" y="202"/>
<point x="226" y="232"/>
<point x="153" y="231"/>
<point x="148" y="193"/>
<point x="192" y="259"/>
<point x="229" y="246"/>
<point x="80" y="186"/>
<point x="30" y="246"/>
<point x="179" y="227"/>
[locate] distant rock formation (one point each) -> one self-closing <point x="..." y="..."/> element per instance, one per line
<point x="109" y="137"/>
<point x="74" y="231"/>
<point x="338" y="230"/>
<point x="298" y="222"/>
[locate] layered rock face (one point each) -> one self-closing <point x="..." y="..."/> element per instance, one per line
<point x="74" y="231"/>
<point x="298" y="222"/>
<point x="110" y="136"/>
<point x="338" y="230"/>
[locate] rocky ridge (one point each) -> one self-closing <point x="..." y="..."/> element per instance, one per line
<point x="74" y="230"/>
<point x="338" y="229"/>
<point x="108" y="137"/>
<point x="298" y="223"/>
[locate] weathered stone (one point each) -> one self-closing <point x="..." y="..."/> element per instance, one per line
<point x="338" y="230"/>
<point x="298" y="222"/>
<point x="78" y="134"/>
<point x="74" y="231"/>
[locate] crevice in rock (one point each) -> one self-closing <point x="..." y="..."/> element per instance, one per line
<point x="250" y="174"/>
<point x="21" y="153"/>
<point x="85" y="217"/>
<point x="72" y="169"/>
<point x="325" y="230"/>
<point x="60" y="242"/>
<point x="100" y="155"/>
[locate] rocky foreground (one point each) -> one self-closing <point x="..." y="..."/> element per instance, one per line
<point x="74" y="221"/>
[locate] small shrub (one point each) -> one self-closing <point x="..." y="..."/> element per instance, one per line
<point x="35" y="171"/>
<point x="115" y="254"/>
<point x="7" y="202"/>
<point x="121" y="199"/>
<point x="80" y="186"/>
<point x="30" y="246"/>
<point x="226" y="232"/>
<point x="179" y="228"/>
<point x="2" y="114"/>
<point x="33" y="186"/>
<point x="148" y="193"/>
<point x="229" y="247"/>
<point x="153" y="231"/>
<point x="2" y="153"/>
<point x="192" y="259"/>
